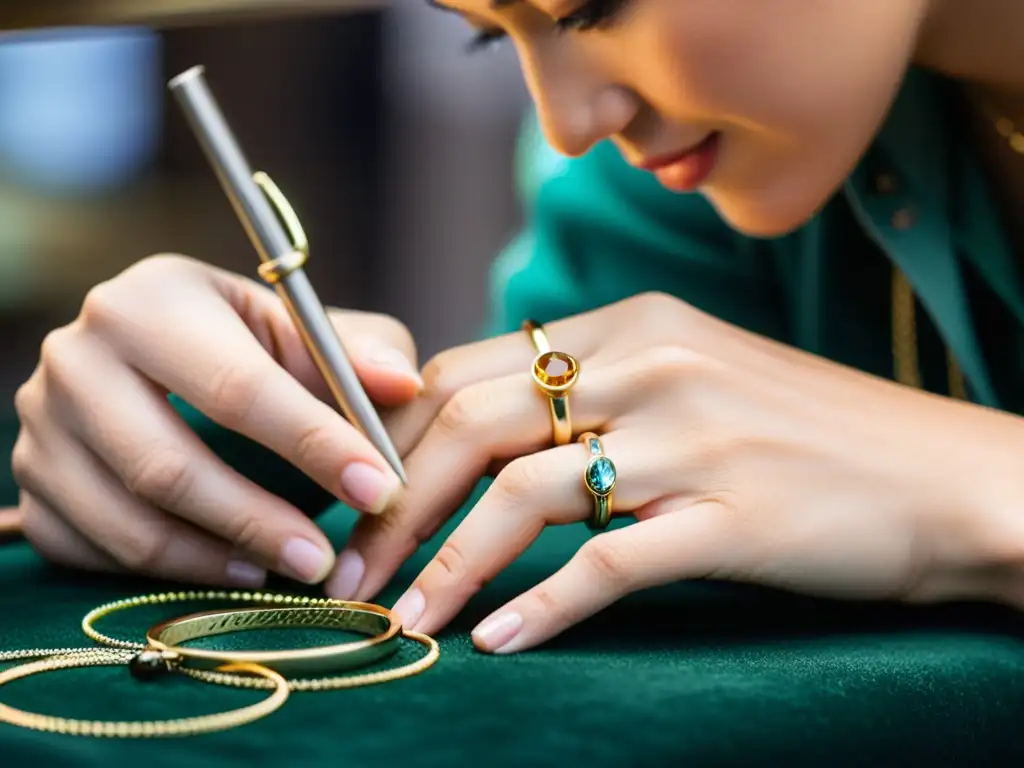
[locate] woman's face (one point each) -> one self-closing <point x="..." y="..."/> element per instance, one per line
<point x="764" y="106"/>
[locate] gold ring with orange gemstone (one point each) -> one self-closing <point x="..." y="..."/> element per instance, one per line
<point x="555" y="374"/>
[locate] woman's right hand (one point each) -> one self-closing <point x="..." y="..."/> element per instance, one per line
<point x="112" y="478"/>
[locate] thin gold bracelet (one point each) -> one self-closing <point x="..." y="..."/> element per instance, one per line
<point x="259" y="598"/>
<point x="186" y="726"/>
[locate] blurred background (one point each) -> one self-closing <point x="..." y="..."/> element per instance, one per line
<point x="392" y="144"/>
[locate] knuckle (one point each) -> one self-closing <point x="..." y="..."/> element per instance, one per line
<point x="658" y="316"/>
<point x="673" y="358"/>
<point x="22" y="462"/>
<point x="451" y="560"/>
<point x="439" y="375"/>
<point x="655" y="307"/>
<point x="607" y="559"/>
<point x="161" y="475"/>
<point x="102" y="305"/>
<point x="142" y="551"/>
<point x="247" y="532"/>
<point x="57" y="356"/>
<point x="312" y="445"/>
<point x="519" y="480"/>
<point x="460" y="413"/>
<point x="232" y="393"/>
<point x="394" y="529"/>
<point x="157" y="267"/>
<point x="555" y="611"/>
<point x="25" y="397"/>
<point x="673" y="366"/>
<point x="672" y="362"/>
<point x="111" y="300"/>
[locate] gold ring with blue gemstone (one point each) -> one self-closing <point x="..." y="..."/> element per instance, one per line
<point x="599" y="478"/>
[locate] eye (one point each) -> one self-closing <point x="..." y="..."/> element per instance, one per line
<point x="590" y="14"/>
<point x="485" y="39"/>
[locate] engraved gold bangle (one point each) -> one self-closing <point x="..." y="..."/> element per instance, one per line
<point x="599" y="478"/>
<point x="336" y="682"/>
<point x="555" y="373"/>
<point x="186" y="726"/>
<point x="164" y="598"/>
<point x="380" y="624"/>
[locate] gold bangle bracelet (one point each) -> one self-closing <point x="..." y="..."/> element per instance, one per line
<point x="164" y="598"/>
<point x="186" y="726"/>
<point x="380" y="624"/>
<point x="242" y="681"/>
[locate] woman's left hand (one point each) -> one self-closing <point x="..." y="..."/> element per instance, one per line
<point x="740" y="458"/>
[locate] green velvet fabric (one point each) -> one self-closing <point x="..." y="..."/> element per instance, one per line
<point x="692" y="674"/>
<point x="698" y="674"/>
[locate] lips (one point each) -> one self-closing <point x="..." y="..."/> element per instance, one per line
<point x="687" y="170"/>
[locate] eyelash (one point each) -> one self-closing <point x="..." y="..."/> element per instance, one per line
<point x="589" y="15"/>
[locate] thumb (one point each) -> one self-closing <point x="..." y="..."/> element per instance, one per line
<point x="380" y="348"/>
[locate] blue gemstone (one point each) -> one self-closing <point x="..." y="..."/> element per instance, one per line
<point x="601" y="475"/>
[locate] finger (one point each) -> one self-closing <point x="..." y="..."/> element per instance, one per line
<point x="164" y="465"/>
<point x="234" y="382"/>
<point x="58" y="541"/>
<point x="484" y="424"/>
<point x="688" y="543"/>
<point x="382" y="352"/>
<point x="381" y="349"/>
<point x="89" y="520"/>
<point x="532" y="492"/>
<point x="511" y="354"/>
<point x="10" y="523"/>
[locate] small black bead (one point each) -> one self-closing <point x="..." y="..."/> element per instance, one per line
<point x="148" y="665"/>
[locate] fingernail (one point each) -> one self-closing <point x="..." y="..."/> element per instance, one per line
<point x="368" y="487"/>
<point x="348" y="573"/>
<point x="410" y="608"/>
<point x="396" y="361"/>
<point x="245" y="574"/>
<point x="495" y="633"/>
<point x="306" y="561"/>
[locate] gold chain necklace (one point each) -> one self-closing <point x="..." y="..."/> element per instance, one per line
<point x="904" y="316"/>
<point x="904" y="341"/>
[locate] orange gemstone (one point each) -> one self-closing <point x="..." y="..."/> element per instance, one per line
<point x="555" y="369"/>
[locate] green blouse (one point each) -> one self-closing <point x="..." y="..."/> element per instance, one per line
<point x="599" y="230"/>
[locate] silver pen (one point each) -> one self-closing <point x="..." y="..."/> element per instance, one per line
<point x="282" y="253"/>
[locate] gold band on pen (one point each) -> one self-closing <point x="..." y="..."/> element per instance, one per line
<point x="382" y="627"/>
<point x="290" y="219"/>
<point x="275" y="270"/>
<point x="555" y="374"/>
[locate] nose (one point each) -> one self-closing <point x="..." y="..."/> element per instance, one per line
<point x="576" y="112"/>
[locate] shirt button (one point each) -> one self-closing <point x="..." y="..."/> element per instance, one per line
<point x="885" y="184"/>
<point x="903" y="219"/>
